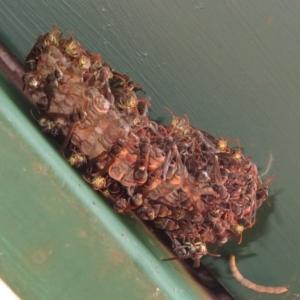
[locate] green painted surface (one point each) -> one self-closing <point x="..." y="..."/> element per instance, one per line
<point x="59" y="239"/>
<point x="233" y="67"/>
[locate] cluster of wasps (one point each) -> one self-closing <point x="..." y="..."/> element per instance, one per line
<point x="195" y="187"/>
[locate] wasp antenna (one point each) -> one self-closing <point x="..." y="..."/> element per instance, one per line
<point x="269" y="180"/>
<point x="213" y="254"/>
<point x="271" y="159"/>
<point x="169" y="110"/>
<point x="187" y="119"/>
<point x="32" y="114"/>
<point x="173" y="258"/>
<point x="71" y="35"/>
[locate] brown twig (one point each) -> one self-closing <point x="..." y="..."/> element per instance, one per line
<point x="251" y="285"/>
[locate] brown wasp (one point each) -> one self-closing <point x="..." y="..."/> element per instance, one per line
<point x="190" y="249"/>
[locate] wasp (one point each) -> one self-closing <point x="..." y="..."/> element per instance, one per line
<point x="190" y="249"/>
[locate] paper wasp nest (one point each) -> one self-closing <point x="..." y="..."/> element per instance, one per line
<point x="188" y="183"/>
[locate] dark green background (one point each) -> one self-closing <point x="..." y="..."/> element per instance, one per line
<point x="232" y="66"/>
